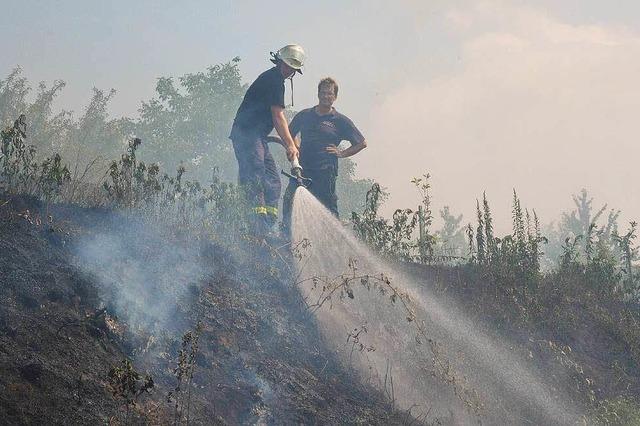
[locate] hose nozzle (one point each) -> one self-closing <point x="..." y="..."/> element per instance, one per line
<point x="296" y="174"/>
<point x="296" y="168"/>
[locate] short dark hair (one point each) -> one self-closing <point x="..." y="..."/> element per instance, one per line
<point x="330" y="82"/>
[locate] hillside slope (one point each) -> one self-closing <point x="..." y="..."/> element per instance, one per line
<point x="225" y="338"/>
<point x="257" y="359"/>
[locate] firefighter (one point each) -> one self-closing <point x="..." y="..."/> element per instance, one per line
<point x="261" y="110"/>
<point x="321" y="130"/>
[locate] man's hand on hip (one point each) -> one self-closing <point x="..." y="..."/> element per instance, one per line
<point x="332" y="149"/>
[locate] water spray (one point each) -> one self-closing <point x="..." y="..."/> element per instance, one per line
<point x="416" y="346"/>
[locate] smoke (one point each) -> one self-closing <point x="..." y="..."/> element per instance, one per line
<point x="530" y="102"/>
<point x="142" y="274"/>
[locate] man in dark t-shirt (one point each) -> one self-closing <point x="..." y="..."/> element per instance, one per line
<point x="321" y="130"/>
<point x="261" y="110"/>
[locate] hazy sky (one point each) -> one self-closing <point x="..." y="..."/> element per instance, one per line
<point x="486" y="96"/>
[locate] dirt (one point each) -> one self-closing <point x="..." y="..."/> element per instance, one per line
<point x="577" y="342"/>
<point x="260" y="359"/>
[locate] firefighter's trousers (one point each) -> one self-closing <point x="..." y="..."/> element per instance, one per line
<point x="258" y="175"/>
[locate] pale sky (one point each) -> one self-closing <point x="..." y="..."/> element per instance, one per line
<point x="485" y="95"/>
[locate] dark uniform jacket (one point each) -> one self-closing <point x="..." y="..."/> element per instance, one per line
<point x="254" y="114"/>
<point x="319" y="131"/>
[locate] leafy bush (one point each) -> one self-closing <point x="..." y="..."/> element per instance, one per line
<point x="126" y="383"/>
<point x="21" y="172"/>
<point x="389" y="238"/>
<point x="395" y="238"/>
<point x="132" y="182"/>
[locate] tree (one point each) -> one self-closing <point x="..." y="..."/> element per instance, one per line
<point x="350" y="189"/>
<point x="13" y="96"/>
<point x="47" y="133"/>
<point x="481" y="248"/>
<point x="186" y="124"/>
<point x="190" y="121"/>
<point x="92" y="135"/>
<point x="579" y="220"/>
<point x="451" y="236"/>
<point x="629" y="254"/>
<point x="584" y="227"/>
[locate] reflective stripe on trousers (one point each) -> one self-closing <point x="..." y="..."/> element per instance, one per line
<point x="257" y="172"/>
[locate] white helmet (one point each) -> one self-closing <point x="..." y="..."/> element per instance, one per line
<point x="292" y="55"/>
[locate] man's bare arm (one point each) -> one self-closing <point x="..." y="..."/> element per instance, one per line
<point x="282" y="128"/>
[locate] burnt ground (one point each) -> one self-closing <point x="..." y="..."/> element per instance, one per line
<point x="259" y="358"/>
<point x="586" y="345"/>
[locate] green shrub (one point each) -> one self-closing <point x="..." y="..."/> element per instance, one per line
<point x="21" y="173"/>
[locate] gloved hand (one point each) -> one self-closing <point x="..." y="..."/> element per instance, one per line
<point x="292" y="152"/>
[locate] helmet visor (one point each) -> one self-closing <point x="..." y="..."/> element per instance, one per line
<point x="293" y="63"/>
